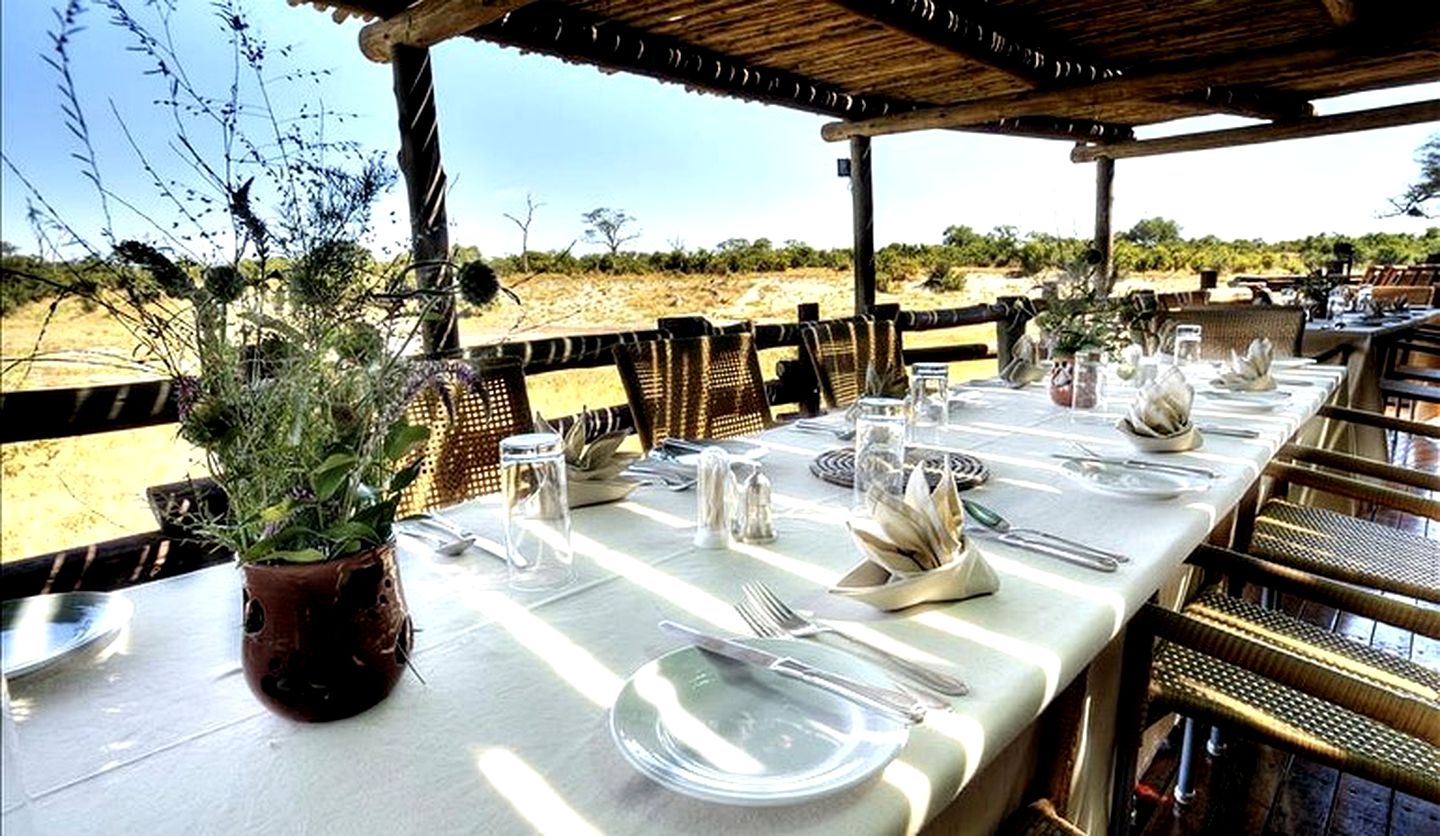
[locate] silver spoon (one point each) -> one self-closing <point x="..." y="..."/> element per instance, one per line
<point x="447" y="548"/>
<point x="1043" y="541"/>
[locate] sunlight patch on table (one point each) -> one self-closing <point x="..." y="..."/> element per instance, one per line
<point x="798" y="568"/>
<point x="890" y="644"/>
<point x="531" y="795"/>
<point x="1028" y="485"/>
<point x="965" y="731"/>
<point x="1208" y="509"/>
<point x="1047" y="660"/>
<point x="691" y="731"/>
<point x="1060" y="583"/>
<point x="698" y="602"/>
<point x="914" y="786"/>
<point x="571" y="662"/>
<point x="667" y="520"/>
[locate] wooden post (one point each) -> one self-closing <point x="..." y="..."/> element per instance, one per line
<point x="1104" y="235"/>
<point x="425" y="187"/>
<point x="862" y="207"/>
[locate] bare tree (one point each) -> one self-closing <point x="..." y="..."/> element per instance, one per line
<point x="607" y="226"/>
<point x="1416" y="199"/>
<point x="530" y="207"/>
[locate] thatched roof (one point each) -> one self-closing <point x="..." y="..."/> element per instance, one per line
<point x="1089" y="69"/>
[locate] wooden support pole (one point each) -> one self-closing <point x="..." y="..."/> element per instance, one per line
<point x="428" y="23"/>
<point x="1363" y="120"/>
<point x="862" y="207"/>
<point x="1104" y="235"/>
<point x="425" y="187"/>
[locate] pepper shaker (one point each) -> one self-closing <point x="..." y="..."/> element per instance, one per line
<point x="759" y="523"/>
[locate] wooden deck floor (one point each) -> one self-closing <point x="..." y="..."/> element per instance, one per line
<point x="1253" y="788"/>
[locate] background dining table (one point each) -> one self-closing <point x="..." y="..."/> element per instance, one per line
<point x="504" y="725"/>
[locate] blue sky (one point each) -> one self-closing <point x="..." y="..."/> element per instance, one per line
<point x="693" y="169"/>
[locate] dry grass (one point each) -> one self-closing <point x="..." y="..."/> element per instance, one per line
<point x="69" y="492"/>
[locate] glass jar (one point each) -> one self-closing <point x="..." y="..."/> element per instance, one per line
<point x="537" y="514"/>
<point x="879" y="447"/>
<point x="930" y="394"/>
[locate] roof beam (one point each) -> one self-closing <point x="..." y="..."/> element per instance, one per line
<point x="565" y="32"/>
<point x="429" y="22"/>
<point x="976" y="33"/>
<point x="1164" y="80"/>
<point x="1361" y="120"/>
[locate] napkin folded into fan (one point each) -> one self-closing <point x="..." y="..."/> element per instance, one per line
<point x="1250" y="372"/>
<point x="592" y="471"/>
<point x="1024" y="367"/>
<point x="915" y="549"/>
<point x="1161" y="408"/>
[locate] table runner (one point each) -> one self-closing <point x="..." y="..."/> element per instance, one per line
<point x="508" y="732"/>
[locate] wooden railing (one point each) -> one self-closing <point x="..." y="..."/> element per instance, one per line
<point x="62" y="413"/>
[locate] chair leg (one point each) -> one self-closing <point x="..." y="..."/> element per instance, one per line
<point x="1216" y="745"/>
<point x="1184" y="784"/>
<point x="1130" y="712"/>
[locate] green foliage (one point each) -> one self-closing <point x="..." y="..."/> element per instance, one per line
<point x="607" y="227"/>
<point x="1152" y="231"/>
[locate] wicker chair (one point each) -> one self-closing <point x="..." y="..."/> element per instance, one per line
<point x="1285" y="682"/>
<point x="1232" y="327"/>
<point x="840" y="350"/>
<point x="1340" y="546"/>
<point x="462" y="455"/>
<point x="701" y="387"/>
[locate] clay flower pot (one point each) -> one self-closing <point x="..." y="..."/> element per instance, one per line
<point x="327" y="640"/>
<point x="1062" y="378"/>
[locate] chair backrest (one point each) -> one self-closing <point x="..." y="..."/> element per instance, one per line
<point x="1181" y="298"/>
<point x="840" y="350"/>
<point x="462" y="455"/>
<point x="698" y="387"/>
<point x="1231" y="327"/>
<point x="1413" y="294"/>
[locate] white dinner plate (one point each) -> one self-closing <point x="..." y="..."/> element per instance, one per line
<point x="1249" y="401"/>
<point x="44" y="630"/>
<point x="733" y="733"/>
<point x="1119" y="480"/>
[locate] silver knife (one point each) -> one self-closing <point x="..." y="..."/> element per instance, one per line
<point x="1139" y="464"/>
<point x="1237" y="432"/>
<point x="894" y="703"/>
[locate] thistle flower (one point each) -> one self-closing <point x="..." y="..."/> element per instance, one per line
<point x="224" y="283"/>
<point x="479" y="285"/>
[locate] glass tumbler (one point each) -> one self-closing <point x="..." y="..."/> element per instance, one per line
<point x="879" y="448"/>
<point x="1086" y="384"/>
<point x="537" y="515"/>
<point x="1187" y="344"/>
<point x="930" y="394"/>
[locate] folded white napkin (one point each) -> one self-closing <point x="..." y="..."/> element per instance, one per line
<point x="1024" y="366"/>
<point x="1251" y="372"/>
<point x="592" y="470"/>
<point x="1162" y="407"/>
<point x="915" y="549"/>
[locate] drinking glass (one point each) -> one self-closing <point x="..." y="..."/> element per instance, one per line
<point x="1336" y="304"/>
<point x="1086" y="382"/>
<point x="930" y="394"/>
<point x="1187" y="344"/>
<point x="537" y="516"/>
<point x="879" y="447"/>
<point x="15" y="809"/>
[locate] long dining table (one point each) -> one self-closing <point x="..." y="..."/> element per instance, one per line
<point x="504" y="725"/>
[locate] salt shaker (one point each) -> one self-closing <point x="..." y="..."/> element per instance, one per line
<point x="712" y="487"/>
<point x="757" y="522"/>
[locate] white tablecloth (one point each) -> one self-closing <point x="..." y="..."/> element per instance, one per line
<point x="508" y="731"/>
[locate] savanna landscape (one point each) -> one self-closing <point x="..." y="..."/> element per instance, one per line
<point x="63" y="493"/>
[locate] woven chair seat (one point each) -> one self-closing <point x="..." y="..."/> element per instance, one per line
<point x="699" y="387"/>
<point x="1226" y="328"/>
<point x="1320" y="646"/>
<point x="841" y="350"/>
<point x="1201" y="686"/>
<point x="1347" y="549"/>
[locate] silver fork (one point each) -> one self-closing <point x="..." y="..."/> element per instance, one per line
<point x="795" y="624"/>
<point x="761" y="624"/>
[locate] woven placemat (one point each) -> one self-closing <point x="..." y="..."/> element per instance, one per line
<point x="838" y="467"/>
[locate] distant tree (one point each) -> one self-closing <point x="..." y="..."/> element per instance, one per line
<point x="7" y="248"/>
<point x="607" y="226"/>
<point x="1152" y="231"/>
<point x="1414" y="202"/>
<point x="530" y="207"/>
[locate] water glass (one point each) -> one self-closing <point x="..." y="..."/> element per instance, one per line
<point x="537" y="515"/>
<point x="1187" y="344"/>
<point x="1336" y="303"/>
<point x="1086" y="382"/>
<point x="930" y="394"/>
<point x="879" y="448"/>
<point x="16" y="813"/>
